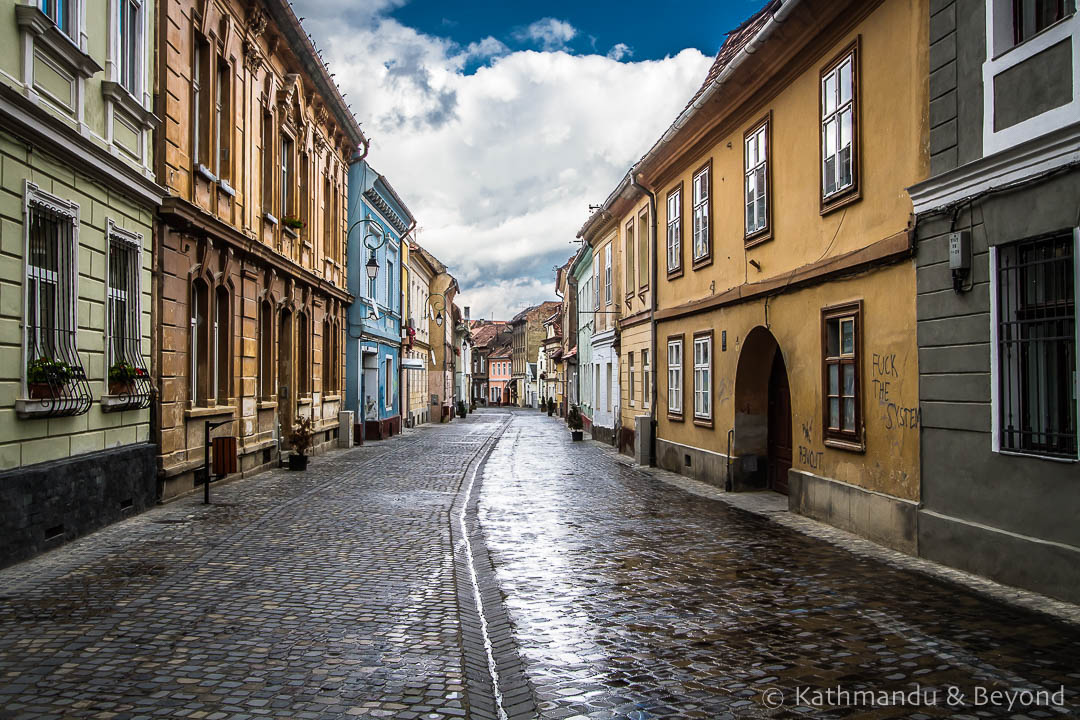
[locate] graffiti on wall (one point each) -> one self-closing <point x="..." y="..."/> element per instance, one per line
<point x="895" y="414"/>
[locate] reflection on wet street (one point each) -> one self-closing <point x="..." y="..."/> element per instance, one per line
<point x="630" y="598"/>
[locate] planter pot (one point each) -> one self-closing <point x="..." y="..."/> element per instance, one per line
<point x="298" y="462"/>
<point x="577" y="434"/>
<point x="461" y="414"/>
<point x="121" y="388"/>
<point x="40" y="391"/>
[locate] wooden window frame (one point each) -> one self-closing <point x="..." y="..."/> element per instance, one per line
<point x="630" y="379"/>
<point x="202" y="127"/>
<point x="129" y="45"/>
<point x="706" y="259"/>
<point x="643" y="255"/>
<point x="704" y="420"/>
<point x="853" y="192"/>
<point x="286" y="196"/>
<point x="765" y="233"/>
<point x="646" y="372"/>
<point x="677" y="271"/>
<point x="222" y="344"/>
<point x="1017" y="21"/>
<point x="834" y="437"/>
<point x="677" y="415"/>
<point x="223" y="116"/>
<point x="267" y="363"/>
<point x="609" y="274"/>
<point x="629" y="269"/>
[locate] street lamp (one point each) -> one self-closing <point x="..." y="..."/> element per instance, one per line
<point x="372" y="266"/>
<point x="438" y="306"/>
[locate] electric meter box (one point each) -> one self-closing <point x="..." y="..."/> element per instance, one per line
<point x="960" y="250"/>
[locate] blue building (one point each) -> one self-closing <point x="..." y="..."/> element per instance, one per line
<point x="378" y="221"/>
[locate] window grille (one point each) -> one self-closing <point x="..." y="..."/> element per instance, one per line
<point x="55" y="379"/>
<point x="128" y="378"/>
<point x="1036" y="320"/>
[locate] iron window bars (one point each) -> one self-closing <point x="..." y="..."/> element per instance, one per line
<point x="127" y="376"/>
<point x="55" y="380"/>
<point x="1037" y="346"/>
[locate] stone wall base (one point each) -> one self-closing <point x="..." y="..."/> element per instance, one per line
<point x="603" y="434"/>
<point x="1045" y="567"/>
<point x="708" y="467"/>
<point x="886" y="520"/>
<point x="45" y="505"/>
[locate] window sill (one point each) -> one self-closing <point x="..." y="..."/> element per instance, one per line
<point x="331" y="398"/>
<point x="122" y="97"/>
<point x="675" y="274"/>
<point x="290" y="232"/>
<point x="266" y="405"/>
<point x="205" y="172"/>
<point x="703" y="422"/>
<point x="117" y="403"/>
<point x="225" y="187"/>
<point x="268" y="217"/>
<point x="32" y="20"/>
<point x="217" y="410"/>
<point x="702" y="262"/>
<point x="1037" y="456"/>
<point x="304" y="401"/>
<point x="675" y="417"/>
<point x="839" y="200"/>
<point x="848" y="445"/>
<point x="758" y="237"/>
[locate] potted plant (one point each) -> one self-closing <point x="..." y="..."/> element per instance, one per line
<point x="292" y="222"/>
<point x="45" y="376"/>
<point x="461" y="408"/>
<point x="573" y="421"/>
<point x="550" y="406"/>
<point x="300" y="439"/>
<point x="122" y="376"/>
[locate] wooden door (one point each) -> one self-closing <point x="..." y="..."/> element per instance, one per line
<point x="779" y="461"/>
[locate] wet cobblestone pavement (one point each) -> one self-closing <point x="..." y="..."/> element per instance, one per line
<point x="591" y="590"/>
<point x="633" y="599"/>
<point x="318" y="594"/>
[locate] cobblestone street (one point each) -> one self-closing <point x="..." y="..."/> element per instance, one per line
<point x="350" y="590"/>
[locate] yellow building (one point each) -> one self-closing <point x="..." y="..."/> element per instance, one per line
<point x="786" y="301"/>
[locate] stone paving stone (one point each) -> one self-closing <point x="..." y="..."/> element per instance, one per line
<point x="631" y="598"/>
<point x="313" y="594"/>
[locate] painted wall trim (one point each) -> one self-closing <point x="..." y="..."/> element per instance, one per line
<point x="1054" y="150"/>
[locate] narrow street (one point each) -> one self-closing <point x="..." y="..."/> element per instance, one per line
<point x="350" y="590"/>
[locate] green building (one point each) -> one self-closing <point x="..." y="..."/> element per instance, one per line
<point x="76" y="210"/>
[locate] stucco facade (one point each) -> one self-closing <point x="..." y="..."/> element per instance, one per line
<point x="76" y="216"/>
<point x="998" y="390"/>
<point x="581" y="272"/>
<point x="785" y="357"/>
<point x="416" y="351"/>
<point x="250" y="286"/>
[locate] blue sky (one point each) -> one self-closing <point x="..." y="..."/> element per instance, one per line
<point x="500" y="123"/>
<point x="600" y="26"/>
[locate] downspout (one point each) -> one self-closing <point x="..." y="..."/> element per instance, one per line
<point x="653" y="280"/>
<point x="348" y="324"/>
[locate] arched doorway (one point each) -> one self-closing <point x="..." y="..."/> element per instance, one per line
<point x="762" y="415"/>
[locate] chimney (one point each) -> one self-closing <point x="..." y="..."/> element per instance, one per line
<point x="466" y="313"/>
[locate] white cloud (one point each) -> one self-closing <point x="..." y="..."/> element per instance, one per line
<point x="551" y="34"/>
<point x="499" y="166"/>
<point x="619" y="51"/>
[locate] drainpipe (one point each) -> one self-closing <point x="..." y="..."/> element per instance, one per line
<point x="653" y="275"/>
<point x="402" y="393"/>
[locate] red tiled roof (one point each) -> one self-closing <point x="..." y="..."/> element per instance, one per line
<point x="735" y="41"/>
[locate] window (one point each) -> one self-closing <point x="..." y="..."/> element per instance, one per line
<point x="630" y="379"/>
<point x="609" y="389"/>
<point x="842" y="391"/>
<point x="703" y="377"/>
<point x="222" y="346"/>
<point x="129" y="31"/>
<point x="266" y="350"/>
<point x="50" y="321"/>
<point x="674" y="230"/>
<point x="1036" y="346"/>
<point x="390" y="283"/>
<point x="607" y="273"/>
<point x="675" y="386"/>
<point x="124" y="318"/>
<point x="596" y="388"/>
<point x="200" y="343"/>
<point x="646" y="379"/>
<point x="628" y="257"/>
<point x="268" y="163"/>
<point x="303" y="354"/>
<point x="201" y="118"/>
<point x="838" y="128"/>
<point x="389" y="383"/>
<point x="223" y="121"/>
<point x="756" y="167"/>
<point x="286" y="178"/>
<point x="702" y="228"/>
<point x="596" y="284"/>
<point x="328" y="220"/>
<point x="61" y="12"/>
<point x="1031" y="17"/>
<point x="643" y="249"/>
